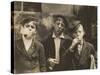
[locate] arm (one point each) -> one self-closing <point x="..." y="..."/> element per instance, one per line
<point x="93" y="57"/>
<point x="42" y="58"/>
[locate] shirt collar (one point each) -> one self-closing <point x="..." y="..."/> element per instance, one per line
<point x="61" y="36"/>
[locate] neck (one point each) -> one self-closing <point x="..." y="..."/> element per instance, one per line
<point x="27" y="42"/>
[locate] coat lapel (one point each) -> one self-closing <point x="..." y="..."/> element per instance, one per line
<point x="61" y="46"/>
<point x="83" y="55"/>
<point x="52" y="47"/>
<point x="61" y="43"/>
<point x="77" y="56"/>
<point x="31" y="49"/>
<point x="21" y="47"/>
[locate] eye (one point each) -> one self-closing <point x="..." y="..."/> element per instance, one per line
<point x="32" y="27"/>
<point x="60" y="24"/>
<point x="27" y="26"/>
<point x="57" y="23"/>
<point x="79" y="31"/>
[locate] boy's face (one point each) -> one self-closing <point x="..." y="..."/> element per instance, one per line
<point x="79" y="33"/>
<point x="29" y="29"/>
<point x="59" y="25"/>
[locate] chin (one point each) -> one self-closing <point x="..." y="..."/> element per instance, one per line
<point x="27" y="36"/>
<point x="59" y="32"/>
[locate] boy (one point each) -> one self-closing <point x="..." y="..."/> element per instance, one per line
<point x="29" y="54"/>
<point x="82" y="51"/>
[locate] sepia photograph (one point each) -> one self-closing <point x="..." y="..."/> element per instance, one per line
<point x="53" y="37"/>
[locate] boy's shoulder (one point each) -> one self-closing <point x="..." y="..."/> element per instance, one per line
<point x="88" y="44"/>
<point x="38" y="43"/>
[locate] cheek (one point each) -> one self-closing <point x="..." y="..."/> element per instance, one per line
<point x="81" y="35"/>
<point x="33" y="30"/>
<point x="26" y="30"/>
<point x="62" y="27"/>
<point x="55" y="27"/>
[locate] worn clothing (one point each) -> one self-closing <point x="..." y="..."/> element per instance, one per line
<point x="57" y="41"/>
<point x="50" y="51"/>
<point x="82" y="60"/>
<point x="31" y="60"/>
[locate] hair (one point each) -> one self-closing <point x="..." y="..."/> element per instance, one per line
<point x="28" y="19"/>
<point x="65" y="21"/>
<point x="75" y="25"/>
<point x="58" y="17"/>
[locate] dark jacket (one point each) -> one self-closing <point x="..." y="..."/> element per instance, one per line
<point x="83" y="60"/>
<point x="26" y="61"/>
<point x="50" y="53"/>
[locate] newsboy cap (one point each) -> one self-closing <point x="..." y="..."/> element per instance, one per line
<point x="28" y="19"/>
<point x="74" y="25"/>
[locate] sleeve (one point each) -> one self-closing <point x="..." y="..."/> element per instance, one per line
<point x="42" y="58"/>
<point x="93" y="56"/>
<point x="93" y="52"/>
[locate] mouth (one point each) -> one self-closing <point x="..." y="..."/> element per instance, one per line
<point x="25" y="35"/>
<point x="59" y="30"/>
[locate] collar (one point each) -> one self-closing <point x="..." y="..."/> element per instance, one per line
<point x="61" y="36"/>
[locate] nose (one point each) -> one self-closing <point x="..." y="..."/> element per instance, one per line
<point x="78" y="34"/>
<point x="59" y="25"/>
<point x="30" y="28"/>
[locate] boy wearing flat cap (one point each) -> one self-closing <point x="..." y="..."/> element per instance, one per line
<point x="84" y="55"/>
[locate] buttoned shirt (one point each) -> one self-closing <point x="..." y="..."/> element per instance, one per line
<point x="57" y="41"/>
<point x="80" y="45"/>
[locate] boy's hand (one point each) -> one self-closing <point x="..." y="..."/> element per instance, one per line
<point x="74" y="42"/>
<point x="52" y="62"/>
